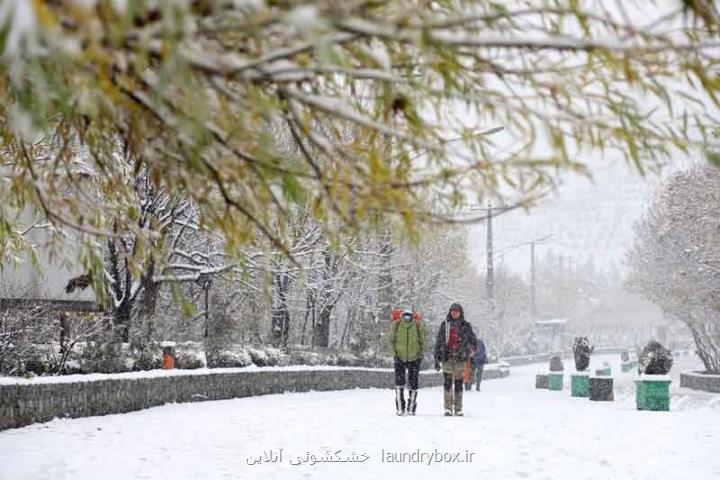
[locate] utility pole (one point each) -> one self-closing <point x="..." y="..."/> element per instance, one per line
<point x="490" y="277"/>
<point x="490" y="273"/>
<point x="533" y="273"/>
<point x="490" y="280"/>
<point x="532" y="279"/>
<point x="560" y="266"/>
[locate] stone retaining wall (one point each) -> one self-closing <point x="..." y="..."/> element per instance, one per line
<point x="526" y="359"/>
<point x="700" y="381"/>
<point x="27" y="402"/>
<point x="545" y="356"/>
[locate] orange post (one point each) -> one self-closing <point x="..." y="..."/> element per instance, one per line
<point x="168" y="361"/>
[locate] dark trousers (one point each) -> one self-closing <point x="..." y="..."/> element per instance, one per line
<point x="480" y="368"/>
<point x="475" y="375"/>
<point x="412" y="368"/>
<point x="448" y="383"/>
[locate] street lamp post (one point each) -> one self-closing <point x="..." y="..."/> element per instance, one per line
<point x="205" y="282"/>
<point x="536" y="241"/>
<point x="533" y="303"/>
<point x="533" y="290"/>
<point x="490" y="276"/>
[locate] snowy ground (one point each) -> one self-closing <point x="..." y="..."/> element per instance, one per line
<point x="511" y="429"/>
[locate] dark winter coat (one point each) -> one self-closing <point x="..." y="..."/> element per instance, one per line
<point x="466" y="339"/>
<point x="480" y="353"/>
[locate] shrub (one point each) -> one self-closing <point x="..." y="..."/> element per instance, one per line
<point x="190" y="359"/>
<point x="345" y="359"/>
<point x="581" y="351"/>
<point x="655" y="359"/>
<point x="259" y="357"/>
<point x="276" y="357"/>
<point x="233" y="357"/>
<point x="149" y="357"/>
<point x="556" y="364"/>
<point x="106" y="357"/>
<point x="304" y="357"/>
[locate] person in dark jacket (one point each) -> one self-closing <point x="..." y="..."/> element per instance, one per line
<point x="454" y="345"/>
<point x="480" y="360"/>
<point x="475" y="366"/>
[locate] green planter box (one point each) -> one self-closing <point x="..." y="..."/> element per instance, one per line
<point x="580" y="384"/>
<point x="627" y="366"/>
<point x="639" y="395"/>
<point x="601" y="389"/>
<point x="652" y="392"/>
<point x="603" y="372"/>
<point x="555" y="381"/>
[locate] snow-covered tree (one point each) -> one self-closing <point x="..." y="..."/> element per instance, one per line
<point x="197" y="91"/>
<point x="505" y="321"/>
<point x="675" y="260"/>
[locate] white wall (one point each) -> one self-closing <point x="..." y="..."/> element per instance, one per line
<point x="49" y="280"/>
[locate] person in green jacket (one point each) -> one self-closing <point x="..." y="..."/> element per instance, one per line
<point x="407" y="344"/>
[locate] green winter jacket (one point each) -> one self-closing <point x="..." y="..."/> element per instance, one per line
<point x="407" y="340"/>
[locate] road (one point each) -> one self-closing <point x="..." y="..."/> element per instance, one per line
<point x="510" y="430"/>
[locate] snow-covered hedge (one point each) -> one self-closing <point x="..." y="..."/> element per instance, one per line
<point x="149" y="357"/>
<point x="305" y="357"/>
<point x="189" y="357"/>
<point x="268" y="357"/>
<point x="230" y="358"/>
<point x="37" y="360"/>
<point x="105" y="357"/>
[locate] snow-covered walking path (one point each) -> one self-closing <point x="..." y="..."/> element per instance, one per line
<point x="511" y="429"/>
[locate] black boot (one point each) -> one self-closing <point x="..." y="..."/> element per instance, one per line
<point x="400" y="400"/>
<point x="412" y="402"/>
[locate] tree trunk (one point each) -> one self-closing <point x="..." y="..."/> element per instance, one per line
<point x="347" y="328"/>
<point x="385" y="281"/>
<point x="310" y="303"/>
<point x="122" y="313"/>
<point x="313" y="320"/>
<point x="64" y="330"/>
<point x="705" y="348"/>
<point x="328" y="300"/>
<point x="322" y="327"/>
<point x="122" y="321"/>
<point x="150" y="292"/>
<point x="280" y="311"/>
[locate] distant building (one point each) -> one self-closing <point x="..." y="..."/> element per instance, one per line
<point x="56" y="280"/>
<point x="550" y="334"/>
